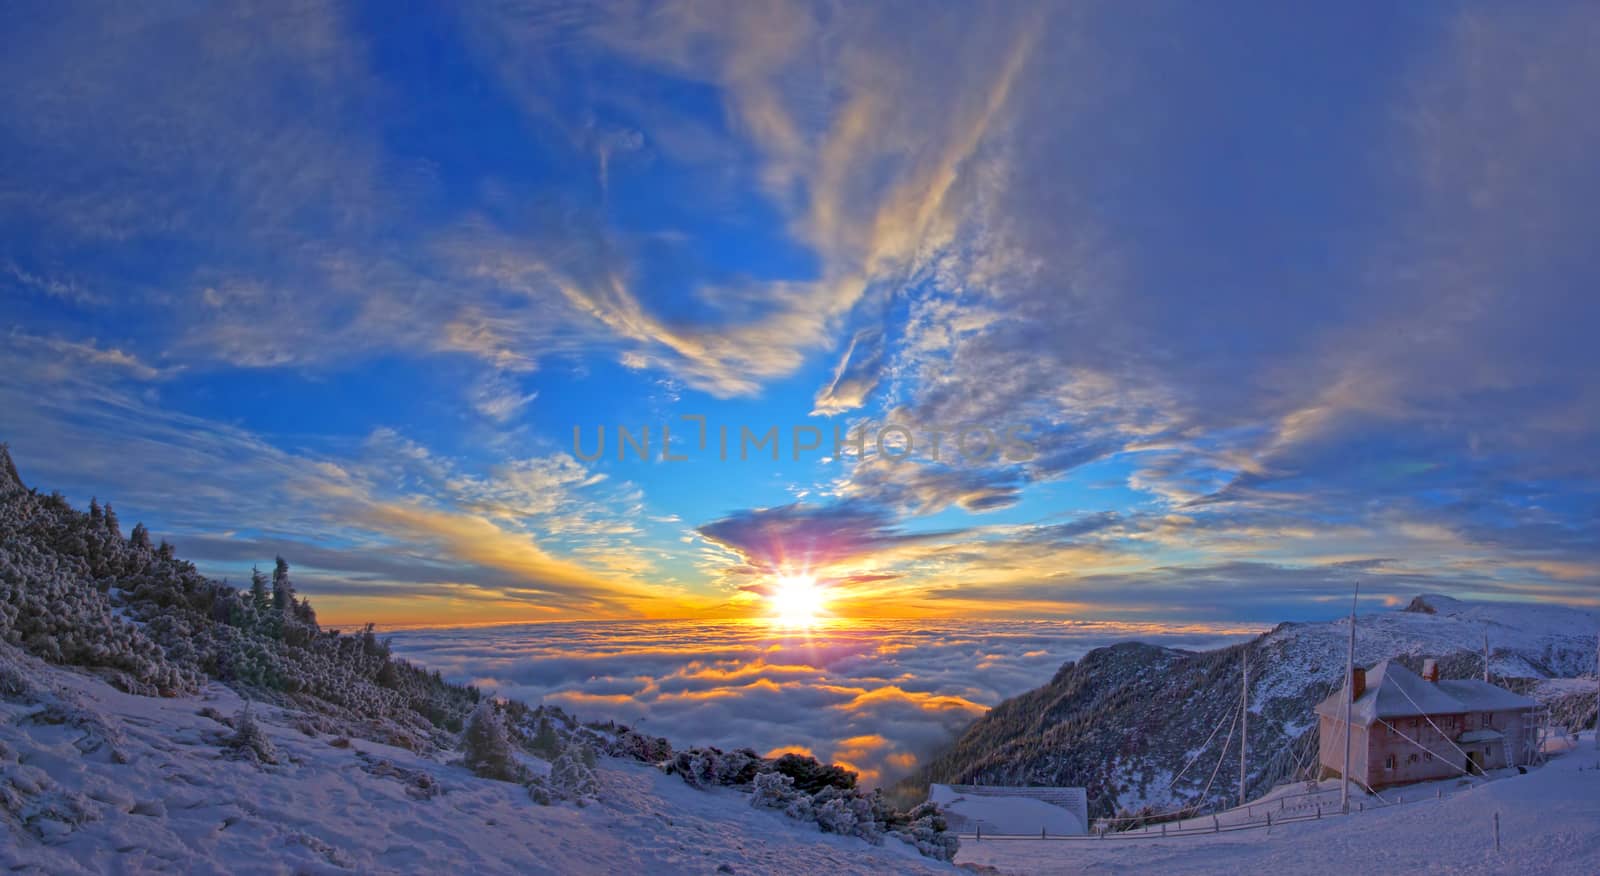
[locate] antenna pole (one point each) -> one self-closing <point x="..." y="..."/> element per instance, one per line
<point x="1486" y="655"/>
<point x="1244" y="719"/>
<point x="1349" y="705"/>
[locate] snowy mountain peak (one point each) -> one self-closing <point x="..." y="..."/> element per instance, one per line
<point x="1433" y="603"/>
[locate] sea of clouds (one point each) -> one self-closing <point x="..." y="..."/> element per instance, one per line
<point x="875" y="695"/>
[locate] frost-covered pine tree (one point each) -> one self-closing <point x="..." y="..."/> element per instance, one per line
<point x="249" y="740"/>
<point x="8" y="469"/>
<point x="259" y="596"/>
<point x="111" y="522"/>
<point x="487" y="746"/>
<point x="282" y="590"/>
<point x="304" y="613"/>
<point x="140" y="537"/>
<point x="546" y="742"/>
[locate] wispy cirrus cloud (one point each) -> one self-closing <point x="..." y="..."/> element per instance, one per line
<point x="1329" y="319"/>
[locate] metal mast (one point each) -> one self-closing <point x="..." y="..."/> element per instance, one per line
<point x="1244" y="718"/>
<point x="1349" y="705"/>
<point x="1486" y="655"/>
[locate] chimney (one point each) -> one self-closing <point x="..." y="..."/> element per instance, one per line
<point x="1430" y="670"/>
<point x="1358" y="683"/>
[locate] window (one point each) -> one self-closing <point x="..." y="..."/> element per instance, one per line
<point x="1488" y="720"/>
<point x="1429" y="757"/>
<point x="1388" y="762"/>
<point x="1412" y="759"/>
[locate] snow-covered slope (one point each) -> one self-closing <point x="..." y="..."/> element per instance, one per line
<point x="115" y="760"/>
<point x="1547" y="828"/>
<point x="96" y="780"/>
<point x="1525" y="640"/>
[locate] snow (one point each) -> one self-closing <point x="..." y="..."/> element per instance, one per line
<point x="178" y="804"/>
<point x="1395" y="691"/>
<point x="1012" y="815"/>
<point x="1547" y="826"/>
<point x="1526" y="641"/>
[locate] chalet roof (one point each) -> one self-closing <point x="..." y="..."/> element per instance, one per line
<point x="1394" y="691"/>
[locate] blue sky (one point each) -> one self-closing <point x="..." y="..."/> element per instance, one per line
<point x="1284" y="298"/>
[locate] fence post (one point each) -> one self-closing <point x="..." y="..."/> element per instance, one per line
<point x="1269" y="822"/>
<point x="980" y="834"/>
<point x="1041" y="833"/>
<point x="1497" y="831"/>
<point x="1163" y="828"/>
<point x="1319" y="810"/>
<point x="1215" y="826"/>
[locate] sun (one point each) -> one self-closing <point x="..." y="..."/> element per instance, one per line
<point x="796" y="600"/>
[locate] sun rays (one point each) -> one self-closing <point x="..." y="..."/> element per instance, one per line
<point x="797" y="601"/>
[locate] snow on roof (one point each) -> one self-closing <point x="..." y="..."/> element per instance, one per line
<point x="1394" y="691"/>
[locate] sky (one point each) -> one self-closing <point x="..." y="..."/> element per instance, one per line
<point x="1162" y="312"/>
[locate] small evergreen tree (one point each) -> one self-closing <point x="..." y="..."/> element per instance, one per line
<point x="259" y="597"/>
<point x="249" y="741"/>
<point x="282" y="590"/>
<point x="8" y="469"/>
<point x="95" y="516"/>
<point x="546" y="743"/>
<point x="111" y="522"/>
<point x="487" y="746"/>
<point x="304" y="613"/>
<point x="166" y="551"/>
<point x="140" y="537"/>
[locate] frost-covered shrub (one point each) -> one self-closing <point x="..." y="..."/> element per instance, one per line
<point x="847" y="812"/>
<point x="14" y="681"/>
<point x="710" y="767"/>
<point x="249" y="741"/>
<point x="928" y="832"/>
<point x="418" y="784"/>
<point x="774" y="790"/>
<point x="811" y="775"/>
<point x="633" y="745"/>
<point x="853" y="812"/>
<point x="487" y="747"/>
<point x="572" y="775"/>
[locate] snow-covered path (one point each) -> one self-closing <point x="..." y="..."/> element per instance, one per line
<point x="176" y="805"/>
<point x="1549" y="824"/>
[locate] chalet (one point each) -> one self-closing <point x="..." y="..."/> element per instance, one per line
<point x="1410" y="728"/>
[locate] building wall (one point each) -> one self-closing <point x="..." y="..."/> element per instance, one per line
<point x="1330" y="748"/>
<point x="1432" y="750"/>
<point x="1403" y="750"/>
<point x="1427" y="754"/>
